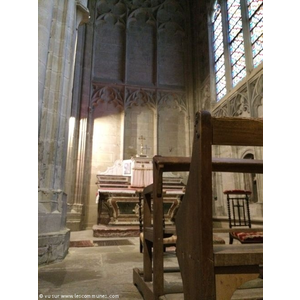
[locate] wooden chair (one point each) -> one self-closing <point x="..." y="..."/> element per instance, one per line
<point x="239" y="217"/>
<point x="206" y="268"/>
<point x="169" y="239"/>
<point x="169" y="234"/>
<point x="150" y="280"/>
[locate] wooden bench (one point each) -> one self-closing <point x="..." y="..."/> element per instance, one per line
<point x="214" y="271"/>
<point x="150" y="280"/>
<point x="172" y="192"/>
<point x="204" y="268"/>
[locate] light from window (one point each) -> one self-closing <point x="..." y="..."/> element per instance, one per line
<point x="236" y="41"/>
<point x="255" y="14"/>
<point x="219" y="53"/>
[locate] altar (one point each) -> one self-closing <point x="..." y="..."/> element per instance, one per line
<point x="119" y="195"/>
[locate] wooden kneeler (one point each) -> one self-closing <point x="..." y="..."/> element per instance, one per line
<point x="205" y="267"/>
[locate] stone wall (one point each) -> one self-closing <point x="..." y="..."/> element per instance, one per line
<point x="134" y="83"/>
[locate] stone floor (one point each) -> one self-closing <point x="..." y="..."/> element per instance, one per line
<point x="100" y="272"/>
<point x="91" y="272"/>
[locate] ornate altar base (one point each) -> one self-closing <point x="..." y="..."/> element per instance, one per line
<point x="115" y="231"/>
<point x="119" y="197"/>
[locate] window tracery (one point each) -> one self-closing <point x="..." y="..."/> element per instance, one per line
<point x="237" y="42"/>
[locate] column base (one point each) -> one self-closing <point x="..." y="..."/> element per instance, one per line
<point x="53" y="246"/>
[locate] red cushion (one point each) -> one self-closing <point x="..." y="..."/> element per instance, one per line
<point x="255" y="237"/>
<point x="237" y="192"/>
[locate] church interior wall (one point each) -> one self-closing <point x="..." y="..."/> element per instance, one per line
<point x="244" y="100"/>
<point x="136" y="57"/>
<point x="142" y="68"/>
<point x="137" y="65"/>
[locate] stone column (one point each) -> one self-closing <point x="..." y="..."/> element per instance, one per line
<point x="74" y="157"/>
<point x="58" y="21"/>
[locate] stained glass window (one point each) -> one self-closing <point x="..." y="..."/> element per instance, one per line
<point x="218" y="47"/>
<point x="236" y="41"/>
<point x="236" y="24"/>
<point x="255" y="14"/>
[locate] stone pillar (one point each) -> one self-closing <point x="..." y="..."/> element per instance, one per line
<point x="58" y="21"/>
<point x="74" y="159"/>
<point x="78" y="209"/>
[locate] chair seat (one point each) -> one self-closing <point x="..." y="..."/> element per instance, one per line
<point x="248" y="237"/>
<point x="166" y="241"/>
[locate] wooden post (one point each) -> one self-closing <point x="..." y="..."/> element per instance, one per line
<point x="194" y="219"/>
<point x="158" y="215"/>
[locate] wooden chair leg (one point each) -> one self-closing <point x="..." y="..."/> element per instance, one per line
<point x="230" y="239"/>
<point x="141" y="246"/>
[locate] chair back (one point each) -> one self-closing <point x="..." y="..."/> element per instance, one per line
<point x="238" y="208"/>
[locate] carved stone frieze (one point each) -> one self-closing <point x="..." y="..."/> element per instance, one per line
<point x="239" y="105"/>
<point x="111" y="11"/>
<point x="107" y="94"/>
<point x="256" y="89"/>
<point x="172" y="100"/>
<point x="140" y="97"/>
<point x="221" y="111"/>
<point x="141" y="15"/>
<point x="247" y="101"/>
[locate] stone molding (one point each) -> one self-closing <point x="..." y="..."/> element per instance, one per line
<point x="137" y="96"/>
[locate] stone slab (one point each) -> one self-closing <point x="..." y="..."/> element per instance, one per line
<point x="115" y="231"/>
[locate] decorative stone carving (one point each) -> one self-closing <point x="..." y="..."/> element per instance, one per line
<point x="239" y="105"/>
<point x="172" y="100"/>
<point x="141" y="16"/>
<point x="257" y="96"/>
<point x="111" y="11"/>
<point x="107" y="94"/>
<point x="221" y="111"/>
<point x="140" y="97"/>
